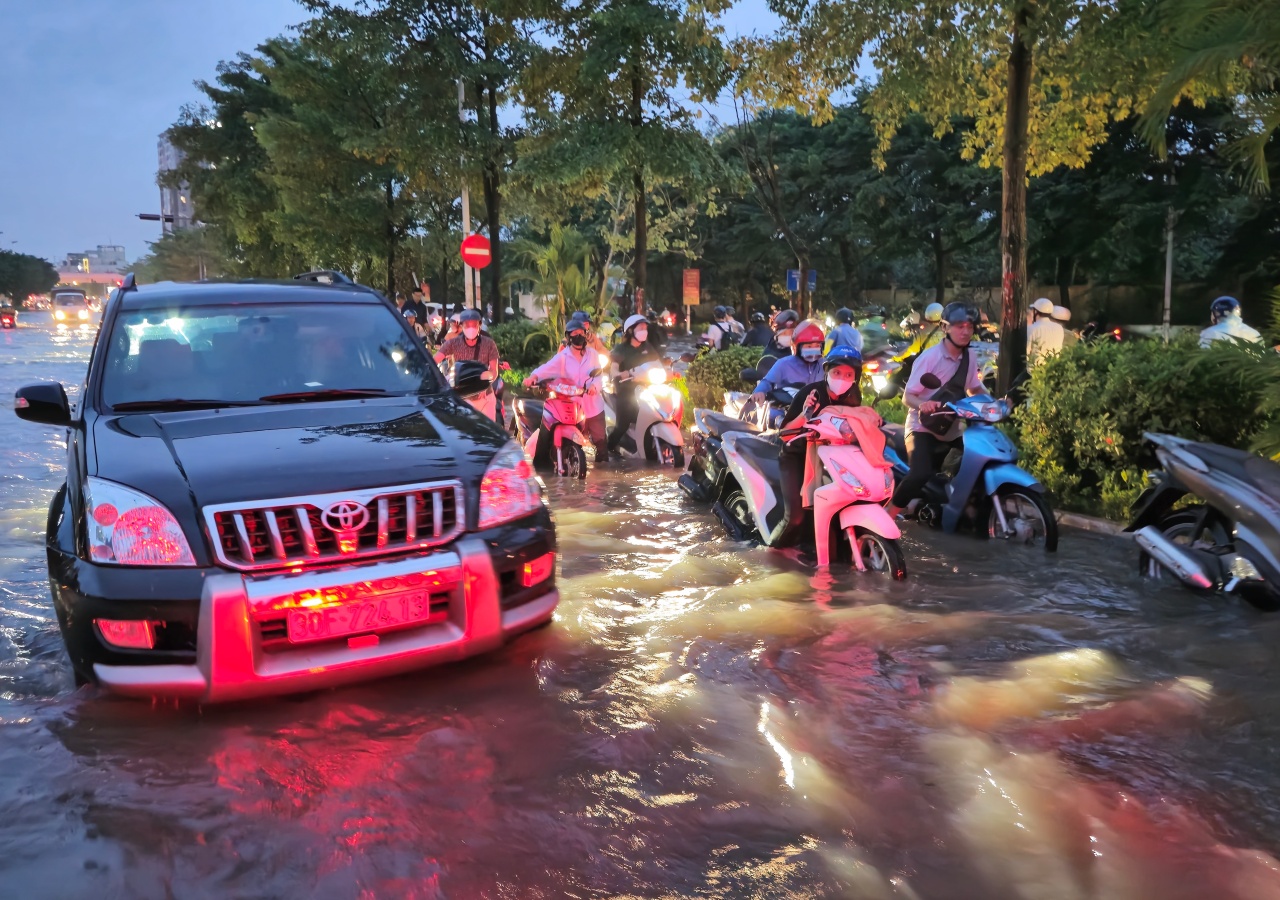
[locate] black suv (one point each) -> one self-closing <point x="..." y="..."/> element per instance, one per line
<point x="271" y="488"/>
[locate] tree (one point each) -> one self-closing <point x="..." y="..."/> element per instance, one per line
<point x="188" y="254"/>
<point x="22" y="275"/>
<point x="1040" y="79"/>
<point x="604" y="103"/>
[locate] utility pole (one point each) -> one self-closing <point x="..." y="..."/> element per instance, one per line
<point x="1169" y="220"/>
<point x="467" y="272"/>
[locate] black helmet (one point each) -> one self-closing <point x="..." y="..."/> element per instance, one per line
<point x="757" y="318"/>
<point x="1223" y="307"/>
<point x="788" y="318"/>
<point x="720" y="312"/>
<point x="844" y="316"/>
<point x="469" y="315"/>
<point x="957" y="312"/>
<point x="574" y="324"/>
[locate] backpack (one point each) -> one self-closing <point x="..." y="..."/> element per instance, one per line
<point x="728" y="337"/>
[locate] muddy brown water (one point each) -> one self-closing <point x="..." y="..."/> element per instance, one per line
<point x="701" y="720"/>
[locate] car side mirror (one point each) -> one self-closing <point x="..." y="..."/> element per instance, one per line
<point x="931" y="381"/>
<point x="43" y="403"/>
<point x="749" y="375"/>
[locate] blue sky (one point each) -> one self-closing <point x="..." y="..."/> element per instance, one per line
<point x="86" y="87"/>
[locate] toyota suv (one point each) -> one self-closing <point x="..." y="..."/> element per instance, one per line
<point x="270" y="488"/>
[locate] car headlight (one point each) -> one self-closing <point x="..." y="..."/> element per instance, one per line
<point x="128" y="528"/>
<point x="59" y="314"/>
<point x="509" y="488"/>
<point x="84" y="313"/>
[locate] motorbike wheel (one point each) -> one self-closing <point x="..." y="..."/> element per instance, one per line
<point x="575" y="461"/>
<point x="1181" y="528"/>
<point x="1028" y="513"/>
<point x="669" y="454"/>
<point x="881" y="554"/>
<point x="736" y="506"/>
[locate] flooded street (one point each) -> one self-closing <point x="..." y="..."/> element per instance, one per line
<point x="701" y="720"/>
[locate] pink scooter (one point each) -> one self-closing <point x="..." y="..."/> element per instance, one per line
<point x="561" y="414"/>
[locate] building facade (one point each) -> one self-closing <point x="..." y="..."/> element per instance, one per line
<point x="108" y="258"/>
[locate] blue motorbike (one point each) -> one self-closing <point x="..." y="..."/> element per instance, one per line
<point x="987" y="489"/>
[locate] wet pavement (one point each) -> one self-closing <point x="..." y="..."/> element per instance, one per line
<point x="701" y="720"/>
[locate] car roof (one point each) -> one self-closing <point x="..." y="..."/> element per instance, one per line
<point x="218" y="293"/>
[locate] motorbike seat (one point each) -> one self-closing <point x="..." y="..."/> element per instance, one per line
<point x="718" y="424"/>
<point x="896" y="437"/>
<point x="761" y="451"/>
<point x="1262" y="474"/>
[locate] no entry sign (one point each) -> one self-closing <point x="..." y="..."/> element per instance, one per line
<point x="476" y="251"/>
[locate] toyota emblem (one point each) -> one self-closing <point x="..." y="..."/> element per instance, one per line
<point x="345" y="516"/>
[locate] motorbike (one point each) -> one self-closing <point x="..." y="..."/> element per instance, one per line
<point x="561" y="414"/>
<point x="1230" y="540"/>
<point x="843" y="489"/>
<point x="656" y="430"/>
<point x="8" y="317"/>
<point x="472" y="380"/>
<point x="987" y="488"/>
<point x="708" y="468"/>
<point x="765" y="418"/>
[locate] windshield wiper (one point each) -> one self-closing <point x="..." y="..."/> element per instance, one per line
<point x="326" y="394"/>
<point x="178" y="403"/>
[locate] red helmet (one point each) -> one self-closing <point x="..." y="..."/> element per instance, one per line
<point x="807" y="332"/>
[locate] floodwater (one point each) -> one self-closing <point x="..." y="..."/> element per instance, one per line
<point x="701" y="720"/>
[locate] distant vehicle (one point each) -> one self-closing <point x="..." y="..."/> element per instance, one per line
<point x="70" y="307"/>
<point x="8" y="315"/>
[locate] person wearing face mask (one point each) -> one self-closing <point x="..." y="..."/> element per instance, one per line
<point x="573" y="364"/>
<point x="784" y="324"/>
<point x="471" y="345"/>
<point x="803" y="367"/>
<point x="930" y="437"/>
<point x="632" y="352"/>
<point x="842" y="368"/>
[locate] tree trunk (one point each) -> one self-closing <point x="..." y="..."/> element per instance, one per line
<point x="805" y="299"/>
<point x="1013" y="219"/>
<point x="642" y="225"/>
<point x="939" y="267"/>
<point x="1066" y="275"/>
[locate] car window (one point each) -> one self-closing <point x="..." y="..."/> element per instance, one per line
<point x="243" y="353"/>
<point x="69" y="300"/>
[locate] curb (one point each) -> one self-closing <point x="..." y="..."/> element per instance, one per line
<point x="1090" y="523"/>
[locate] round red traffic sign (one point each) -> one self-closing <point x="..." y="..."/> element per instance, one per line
<point x="476" y="251"/>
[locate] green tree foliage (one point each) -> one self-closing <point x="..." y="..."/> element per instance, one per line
<point x="22" y="275"/>
<point x="185" y="255"/>
<point x="605" y="112"/>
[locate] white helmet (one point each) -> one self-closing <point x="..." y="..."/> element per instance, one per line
<point x="633" y="321"/>
<point x="1061" y="314"/>
<point x="933" y="312"/>
<point x="1044" y="306"/>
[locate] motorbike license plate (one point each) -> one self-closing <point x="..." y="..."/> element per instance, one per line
<point x="387" y="611"/>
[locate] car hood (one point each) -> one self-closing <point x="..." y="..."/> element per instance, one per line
<point x="260" y="453"/>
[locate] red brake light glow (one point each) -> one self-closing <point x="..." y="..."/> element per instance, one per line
<point x="130" y="634"/>
<point x="538" y="570"/>
<point x="105" y="514"/>
<point x="872" y="366"/>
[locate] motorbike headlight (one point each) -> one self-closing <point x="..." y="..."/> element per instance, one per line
<point x="878" y="382"/>
<point x="509" y="488"/>
<point x="657" y="376"/>
<point x="129" y="528"/>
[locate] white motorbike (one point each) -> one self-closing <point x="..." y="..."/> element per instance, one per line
<point x="843" y="488"/>
<point x="656" y="431"/>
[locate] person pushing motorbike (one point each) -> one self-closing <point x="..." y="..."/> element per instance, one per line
<point x="633" y="351"/>
<point x="931" y="436"/>
<point x="803" y="367"/>
<point x="574" y="364"/>
<point x="842" y="368"/>
<point x="471" y="345"/>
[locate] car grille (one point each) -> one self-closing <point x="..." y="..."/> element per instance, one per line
<point x="288" y="532"/>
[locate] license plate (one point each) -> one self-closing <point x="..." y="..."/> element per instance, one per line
<point x="357" y="617"/>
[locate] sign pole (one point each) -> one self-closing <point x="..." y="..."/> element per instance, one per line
<point x="467" y="294"/>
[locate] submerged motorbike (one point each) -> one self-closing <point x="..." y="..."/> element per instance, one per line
<point x="655" y="434"/>
<point x="561" y="416"/>
<point x="987" y="489"/>
<point x="844" y="489"/>
<point x="8" y="317"/>
<point x="1230" y="540"/>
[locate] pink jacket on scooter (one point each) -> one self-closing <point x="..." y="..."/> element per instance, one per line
<point x="571" y="368"/>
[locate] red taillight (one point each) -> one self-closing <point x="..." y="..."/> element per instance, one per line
<point x="872" y="366"/>
<point x="105" y="514"/>
<point x="147" y="536"/>
<point x="539" y="570"/>
<point x="130" y="634"/>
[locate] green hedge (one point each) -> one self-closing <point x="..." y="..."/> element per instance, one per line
<point x="510" y="338"/>
<point x="710" y="375"/>
<point x="1081" y="430"/>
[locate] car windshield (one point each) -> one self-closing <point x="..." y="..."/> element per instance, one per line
<point x="69" y="300"/>
<point x="237" y="354"/>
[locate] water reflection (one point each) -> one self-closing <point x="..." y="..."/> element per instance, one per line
<point x="702" y="719"/>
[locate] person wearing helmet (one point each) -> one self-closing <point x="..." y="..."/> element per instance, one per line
<point x="411" y="316"/>
<point x="731" y="319"/>
<point x="471" y="345"/>
<point x="1227" y="325"/>
<point x="803" y="367"/>
<point x="930" y="333"/>
<point x="574" y="364"/>
<point x="593" y="339"/>
<point x="845" y="334"/>
<point x="1044" y="335"/>
<point x="1062" y="316"/>
<point x="784" y="324"/>
<point x="929" y="436"/>
<point x="759" y="334"/>
<point x="720" y="334"/>
<point x="634" y="351"/>
<point x="910" y="322"/>
<point x="839" y="385"/>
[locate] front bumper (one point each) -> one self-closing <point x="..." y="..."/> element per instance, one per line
<point x="225" y="638"/>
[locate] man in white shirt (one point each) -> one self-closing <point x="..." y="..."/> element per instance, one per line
<point x="1227" y="324"/>
<point x="1044" y="335"/>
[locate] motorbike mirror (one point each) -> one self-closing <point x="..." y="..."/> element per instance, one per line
<point x="749" y="375"/>
<point x="594" y="373"/>
<point x="687" y="357"/>
<point x="931" y="381"/>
